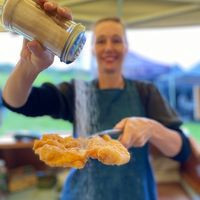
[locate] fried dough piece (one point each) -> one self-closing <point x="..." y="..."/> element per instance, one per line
<point x="70" y="152"/>
<point x="107" y="150"/>
<point x="56" y="151"/>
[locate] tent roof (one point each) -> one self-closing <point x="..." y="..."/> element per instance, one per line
<point x="136" y="13"/>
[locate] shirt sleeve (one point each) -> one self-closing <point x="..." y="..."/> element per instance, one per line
<point x="51" y="100"/>
<point x="157" y="108"/>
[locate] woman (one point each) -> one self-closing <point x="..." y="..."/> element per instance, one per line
<point x="134" y="107"/>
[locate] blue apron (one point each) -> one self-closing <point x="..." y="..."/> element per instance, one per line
<point x="133" y="181"/>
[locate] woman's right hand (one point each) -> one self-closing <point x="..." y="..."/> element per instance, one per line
<point x="33" y="53"/>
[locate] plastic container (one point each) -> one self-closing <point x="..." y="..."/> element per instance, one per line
<point x="64" y="38"/>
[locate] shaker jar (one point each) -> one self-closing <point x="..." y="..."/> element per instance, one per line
<point x="64" y="38"/>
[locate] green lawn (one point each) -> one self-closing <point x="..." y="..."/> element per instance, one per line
<point x="193" y="128"/>
<point x="13" y="122"/>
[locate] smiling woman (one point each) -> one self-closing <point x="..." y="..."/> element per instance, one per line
<point x="110" y="46"/>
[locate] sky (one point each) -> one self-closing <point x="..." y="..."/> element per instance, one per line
<point x="175" y="45"/>
<point x="172" y="46"/>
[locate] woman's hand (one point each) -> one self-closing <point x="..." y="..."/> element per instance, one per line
<point x="136" y="131"/>
<point x="33" y="53"/>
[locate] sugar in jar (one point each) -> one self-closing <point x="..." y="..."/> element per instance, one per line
<point x="64" y="38"/>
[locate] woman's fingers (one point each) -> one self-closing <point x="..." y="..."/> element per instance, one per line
<point x="36" y="48"/>
<point x="136" y="131"/>
<point x="120" y="125"/>
<point x="52" y="8"/>
<point x="25" y="51"/>
<point x="126" y="139"/>
<point x="64" y="12"/>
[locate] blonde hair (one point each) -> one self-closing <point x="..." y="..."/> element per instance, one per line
<point x="112" y="19"/>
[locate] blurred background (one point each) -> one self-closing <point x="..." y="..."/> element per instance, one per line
<point x="164" y="48"/>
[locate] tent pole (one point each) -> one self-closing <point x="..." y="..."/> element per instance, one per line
<point x="172" y="92"/>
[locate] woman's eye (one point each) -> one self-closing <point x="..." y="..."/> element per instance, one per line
<point x="100" y="41"/>
<point x="117" y="40"/>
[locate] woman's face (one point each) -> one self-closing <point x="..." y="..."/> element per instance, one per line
<point x="109" y="46"/>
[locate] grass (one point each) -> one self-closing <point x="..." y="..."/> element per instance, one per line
<point x="13" y="122"/>
<point x="193" y="129"/>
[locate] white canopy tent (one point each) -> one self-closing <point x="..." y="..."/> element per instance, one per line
<point x="136" y="13"/>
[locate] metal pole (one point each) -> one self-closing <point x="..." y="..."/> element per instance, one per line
<point x="172" y="92"/>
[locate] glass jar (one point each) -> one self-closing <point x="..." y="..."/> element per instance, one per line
<point x="64" y="38"/>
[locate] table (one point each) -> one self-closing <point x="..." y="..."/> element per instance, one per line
<point x="19" y="153"/>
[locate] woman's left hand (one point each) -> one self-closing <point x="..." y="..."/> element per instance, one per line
<point x="136" y="131"/>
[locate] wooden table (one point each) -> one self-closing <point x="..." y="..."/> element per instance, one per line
<point x="18" y="154"/>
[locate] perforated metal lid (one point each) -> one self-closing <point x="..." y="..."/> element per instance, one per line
<point x="74" y="44"/>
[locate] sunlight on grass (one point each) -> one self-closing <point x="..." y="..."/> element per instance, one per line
<point x="193" y="129"/>
<point x="13" y="122"/>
